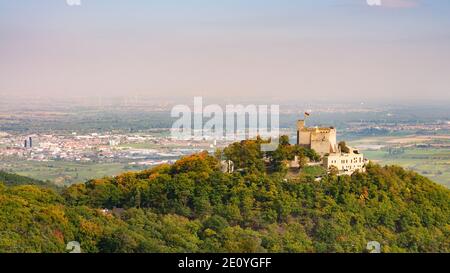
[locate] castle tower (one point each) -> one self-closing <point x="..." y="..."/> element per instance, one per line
<point x="320" y="139"/>
<point x="300" y="126"/>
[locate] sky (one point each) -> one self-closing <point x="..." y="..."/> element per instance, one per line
<point x="299" y="50"/>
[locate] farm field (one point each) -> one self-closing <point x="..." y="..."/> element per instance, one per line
<point x="63" y="173"/>
<point x="427" y="155"/>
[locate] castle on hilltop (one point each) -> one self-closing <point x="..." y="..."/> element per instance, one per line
<point x="323" y="141"/>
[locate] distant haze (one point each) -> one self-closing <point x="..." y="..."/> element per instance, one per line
<point x="300" y="50"/>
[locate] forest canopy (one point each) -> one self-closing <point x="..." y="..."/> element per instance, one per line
<point x="192" y="206"/>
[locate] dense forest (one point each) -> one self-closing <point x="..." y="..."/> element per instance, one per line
<point x="193" y="206"/>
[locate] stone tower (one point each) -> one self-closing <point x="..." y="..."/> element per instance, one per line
<point x="322" y="140"/>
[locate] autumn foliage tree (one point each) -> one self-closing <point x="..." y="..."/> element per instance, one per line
<point x="192" y="206"/>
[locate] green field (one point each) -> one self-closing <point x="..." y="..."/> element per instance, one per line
<point x="313" y="171"/>
<point x="432" y="163"/>
<point x="62" y="172"/>
<point x="428" y="155"/>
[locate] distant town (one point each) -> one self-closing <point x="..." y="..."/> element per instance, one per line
<point x="70" y="145"/>
<point x="143" y="149"/>
<point x="138" y="149"/>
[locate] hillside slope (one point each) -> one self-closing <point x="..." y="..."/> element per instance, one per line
<point x="11" y="179"/>
<point x="191" y="206"/>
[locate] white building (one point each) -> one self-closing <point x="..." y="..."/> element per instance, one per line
<point x="346" y="163"/>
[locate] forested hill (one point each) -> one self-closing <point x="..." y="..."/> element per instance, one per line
<point x="11" y="179"/>
<point x="192" y="206"/>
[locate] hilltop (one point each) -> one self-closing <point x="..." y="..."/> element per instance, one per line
<point x="193" y="206"/>
<point x="11" y="179"/>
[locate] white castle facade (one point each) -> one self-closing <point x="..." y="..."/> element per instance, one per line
<point x="345" y="163"/>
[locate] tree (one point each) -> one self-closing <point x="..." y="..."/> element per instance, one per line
<point x="333" y="170"/>
<point x="192" y="206"/>
<point x="246" y="155"/>
<point x="343" y="147"/>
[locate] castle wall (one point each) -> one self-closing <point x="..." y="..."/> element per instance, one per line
<point x="304" y="138"/>
<point x="323" y="141"/>
<point x="333" y="142"/>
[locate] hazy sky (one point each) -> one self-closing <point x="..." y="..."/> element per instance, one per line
<point x="316" y="49"/>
